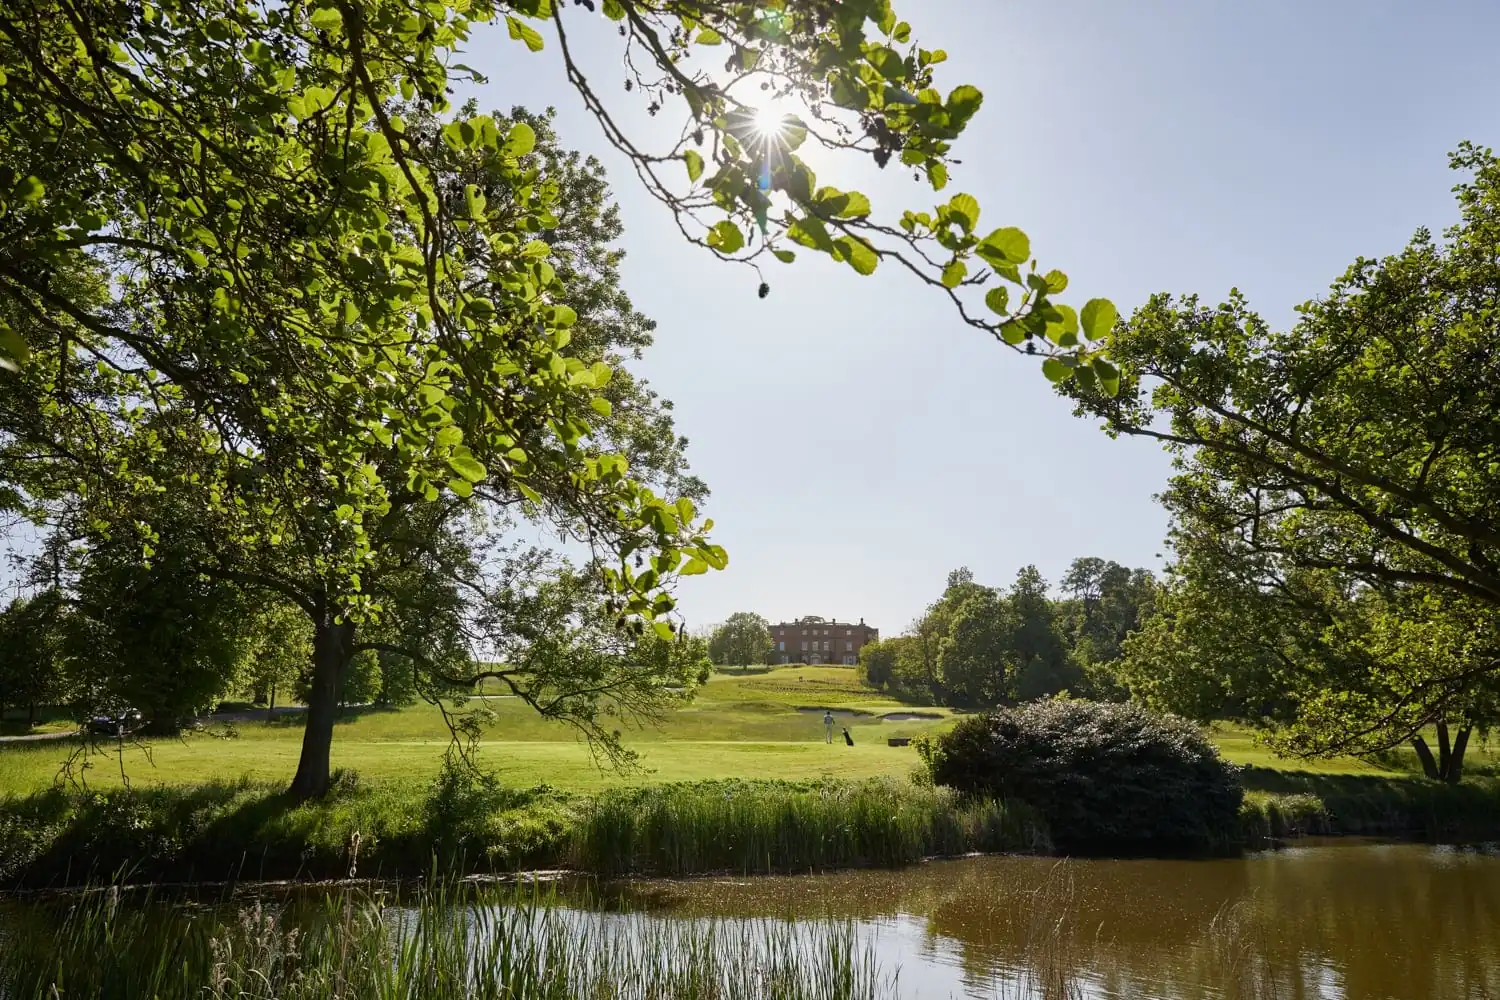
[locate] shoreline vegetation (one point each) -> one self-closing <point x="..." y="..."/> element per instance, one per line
<point x="446" y="944"/>
<point x="247" y="831"/>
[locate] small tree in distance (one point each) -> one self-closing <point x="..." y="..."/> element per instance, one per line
<point x="743" y="639"/>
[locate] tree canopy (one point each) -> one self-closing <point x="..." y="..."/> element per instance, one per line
<point x="744" y="638"/>
<point x="271" y="297"/>
<point x="1363" y="440"/>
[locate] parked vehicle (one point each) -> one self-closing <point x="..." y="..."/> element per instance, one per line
<point x="119" y="723"/>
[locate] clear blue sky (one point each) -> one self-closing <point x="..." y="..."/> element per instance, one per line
<point x="860" y="443"/>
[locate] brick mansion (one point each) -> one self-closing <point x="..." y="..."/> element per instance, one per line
<point x="820" y="640"/>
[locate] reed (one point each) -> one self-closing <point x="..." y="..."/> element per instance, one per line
<point x="497" y="946"/>
<point x="236" y="832"/>
<point x="761" y="827"/>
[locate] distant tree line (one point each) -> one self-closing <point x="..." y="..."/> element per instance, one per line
<point x="979" y="646"/>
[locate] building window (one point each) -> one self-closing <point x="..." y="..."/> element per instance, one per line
<point x="848" y="645"/>
<point x="825" y="645"/>
<point x="804" y="647"/>
<point x="804" y="631"/>
<point x="848" y="631"/>
<point x="781" y="647"/>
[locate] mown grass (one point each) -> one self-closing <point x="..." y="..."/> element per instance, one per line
<point x="739" y="726"/>
<point x="495" y="946"/>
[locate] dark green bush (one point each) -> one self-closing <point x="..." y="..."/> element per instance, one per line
<point x="1106" y="778"/>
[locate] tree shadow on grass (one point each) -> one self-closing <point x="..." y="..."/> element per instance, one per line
<point x="297" y="718"/>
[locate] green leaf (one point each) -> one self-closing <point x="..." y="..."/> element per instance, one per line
<point x="694" y="164"/>
<point x="1099" y="317"/>
<point x="601" y="406"/>
<point x="1109" y="375"/>
<point x="524" y="32"/>
<point x="521" y="140"/>
<point x="856" y="206"/>
<point x="1056" y="282"/>
<point x="1063" y="326"/>
<point x="811" y="233"/>
<point x="1005" y="246"/>
<point x="954" y="273"/>
<point x="937" y="175"/>
<point x="1055" y="369"/>
<point x="29" y="189"/>
<point x="465" y="464"/>
<point x="196" y="256"/>
<point x="962" y="104"/>
<point x="14" y="348"/>
<point x="708" y="36"/>
<point x="462" y="487"/>
<point x="326" y="19"/>
<point x="726" y="237"/>
<point x="315" y="99"/>
<point x="888" y="62"/>
<point x="474" y="201"/>
<point x="860" y="255"/>
<point x="694" y="567"/>
<point x="1012" y="332"/>
<point x="785" y="256"/>
<point x="998" y="299"/>
<point x="965" y="208"/>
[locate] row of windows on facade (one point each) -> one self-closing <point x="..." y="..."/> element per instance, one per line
<point x="848" y="647"/>
<point x="847" y="631"/>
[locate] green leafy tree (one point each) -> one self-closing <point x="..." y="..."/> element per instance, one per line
<point x="1360" y="442"/>
<point x="345" y="327"/>
<point x="33" y="633"/>
<point x="877" y="662"/>
<point x="1041" y="662"/>
<point x="278" y="652"/>
<point x="974" y="655"/>
<point x="1105" y="602"/>
<point x="1325" y="668"/>
<point x="743" y="639"/>
<point x="160" y="638"/>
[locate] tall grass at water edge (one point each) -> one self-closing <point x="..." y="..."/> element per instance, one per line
<point x="513" y="948"/>
<point x="780" y="827"/>
<point x="248" y="832"/>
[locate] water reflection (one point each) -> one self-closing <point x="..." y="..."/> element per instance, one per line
<point x="1320" y="921"/>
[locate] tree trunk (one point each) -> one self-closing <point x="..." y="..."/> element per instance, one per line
<point x="1456" y="760"/>
<point x="271" y="703"/>
<point x="331" y="643"/>
<point x="1445" y="750"/>
<point x="1424" y="754"/>
<point x="31" y="715"/>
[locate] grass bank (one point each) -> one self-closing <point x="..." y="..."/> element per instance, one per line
<point x="493" y="946"/>
<point x="1283" y="804"/>
<point x="239" y="831"/>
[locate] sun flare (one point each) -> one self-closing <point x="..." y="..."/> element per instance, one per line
<point x="770" y="121"/>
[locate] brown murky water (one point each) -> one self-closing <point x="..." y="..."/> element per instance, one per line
<point x="1314" y="922"/>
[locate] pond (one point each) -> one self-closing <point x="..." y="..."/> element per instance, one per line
<point x="1318" y="921"/>
<point x="1354" y="921"/>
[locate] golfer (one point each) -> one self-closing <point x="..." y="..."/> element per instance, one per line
<point x="828" y="725"/>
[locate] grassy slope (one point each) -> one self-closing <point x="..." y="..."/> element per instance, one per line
<point x="740" y="725"/>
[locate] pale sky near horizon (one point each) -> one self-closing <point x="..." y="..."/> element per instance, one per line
<point x="859" y="441"/>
